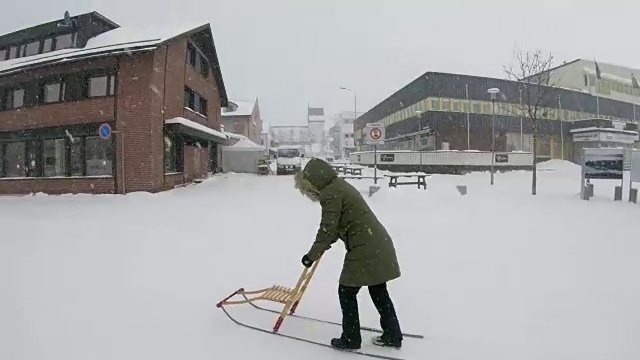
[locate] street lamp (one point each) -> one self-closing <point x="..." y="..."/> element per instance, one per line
<point x="494" y="95"/>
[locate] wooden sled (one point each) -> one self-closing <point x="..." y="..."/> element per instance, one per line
<point x="290" y="298"/>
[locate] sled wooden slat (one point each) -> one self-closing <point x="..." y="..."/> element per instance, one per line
<point x="289" y="297"/>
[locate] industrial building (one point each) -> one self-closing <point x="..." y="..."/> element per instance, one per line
<point x="454" y="112"/>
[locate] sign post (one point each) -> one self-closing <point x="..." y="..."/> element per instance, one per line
<point x="375" y="135"/>
<point x="602" y="163"/>
<point x="105" y="131"/>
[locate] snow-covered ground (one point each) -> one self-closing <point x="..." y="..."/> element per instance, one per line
<point x="497" y="274"/>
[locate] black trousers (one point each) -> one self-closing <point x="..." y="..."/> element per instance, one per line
<point x="351" y="318"/>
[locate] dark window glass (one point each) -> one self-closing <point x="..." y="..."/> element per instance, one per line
<point x="189" y="99"/>
<point x="54" y="157"/>
<point x="191" y="55"/>
<point x="1" y="159"/>
<point x="204" y="66"/>
<point x="98" y="86"/>
<point x="32" y="48"/>
<point x="203" y="107"/>
<point x="170" y="158"/>
<point x="98" y="156"/>
<point x="32" y="161"/>
<point x="76" y="159"/>
<point x="15" y="159"/>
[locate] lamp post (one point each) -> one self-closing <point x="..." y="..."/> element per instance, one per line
<point x="494" y="96"/>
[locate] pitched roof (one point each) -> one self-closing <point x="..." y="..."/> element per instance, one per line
<point x="122" y="40"/>
<point x="239" y="108"/>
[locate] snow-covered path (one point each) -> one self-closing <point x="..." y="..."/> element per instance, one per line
<point x="494" y="275"/>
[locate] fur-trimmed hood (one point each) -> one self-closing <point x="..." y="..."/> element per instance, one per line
<point x="315" y="176"/>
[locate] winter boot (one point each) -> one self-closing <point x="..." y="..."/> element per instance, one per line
<point x="382" y="341"/>
<point x="342" y="344"/>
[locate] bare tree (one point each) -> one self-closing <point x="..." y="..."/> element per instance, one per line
<point x="532" y="72"/>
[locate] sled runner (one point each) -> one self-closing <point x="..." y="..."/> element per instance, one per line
<point x="290" y="299"/>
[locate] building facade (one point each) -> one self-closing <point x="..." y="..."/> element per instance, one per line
<point x="614" y="81"/>
<point x="159" y="92"/>
<point x="452" y="111"/>
<point x="243" y="118"/>
<point x="289" y="135"/>
<point x="342" y="134"/>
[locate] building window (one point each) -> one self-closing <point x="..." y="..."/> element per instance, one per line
<point x="14" y="99"/>
<point x="194" y="101"/>
<point x="101" y="85"/>
<point x="170" y="154"/>
<point x="204" y="66"/>
<point x="189" y="98"/>
<point x="54" y="157"/>
<point x="98" y="156"/>
<point x="14" y="159"/>
<point x="197" y="60"/>
<point x="76" y="156"/>
<point x="203" y="106"/>
<point x="191" y="55"/>
<point x="53" y="92"/>
<point x="65" y="41"/>
<point x="47" y="45"/>
<point x="31" y="49"/>
<point x="13" y="52"/>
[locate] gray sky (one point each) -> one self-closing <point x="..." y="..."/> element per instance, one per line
<point x="293" y="52"/>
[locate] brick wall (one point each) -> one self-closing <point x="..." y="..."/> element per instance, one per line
<point x="150" y="89"/>
<point x="134" y="119"/>
<point x="67" y="113"/>
<point x="58" y="186"/>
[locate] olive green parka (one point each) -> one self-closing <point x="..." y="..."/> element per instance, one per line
<point x="371" y="256"/>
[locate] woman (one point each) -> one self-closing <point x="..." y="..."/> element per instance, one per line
<point x="370" y="259"/>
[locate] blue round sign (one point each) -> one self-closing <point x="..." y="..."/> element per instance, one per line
<point x="104" y="131"/>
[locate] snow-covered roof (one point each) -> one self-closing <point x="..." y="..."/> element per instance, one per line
<point x="120" y="40"/>
<point x="194" y="125"/>
<point x="611" y="130"/>
<point x="239" y="108"/>
<point x="246" y="143"/>
<point x="235" y="136"/>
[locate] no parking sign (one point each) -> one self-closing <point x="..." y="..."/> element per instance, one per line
<point x="374" y="134"/>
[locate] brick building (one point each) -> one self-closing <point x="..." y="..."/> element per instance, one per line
<point x="243" y="118"/>
<point x="160" y="90"/>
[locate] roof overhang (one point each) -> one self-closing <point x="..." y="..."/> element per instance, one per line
<point x="195" y="130"/>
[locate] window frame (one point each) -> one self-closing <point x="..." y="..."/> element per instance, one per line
<point x="197" y="60"/>
<point x="43" y="91"/>
<point x="175" y="151"/>
<point x="110" y="86"/>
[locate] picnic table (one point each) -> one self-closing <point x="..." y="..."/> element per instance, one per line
<point x="359" y="177"/>
<point x="419" y="179"/>
<point x="346" y="169"/>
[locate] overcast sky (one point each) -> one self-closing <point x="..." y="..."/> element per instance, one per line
<point x="292" y="52"/>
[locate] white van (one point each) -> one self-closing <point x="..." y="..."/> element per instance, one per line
<point x="289" y="159"/>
